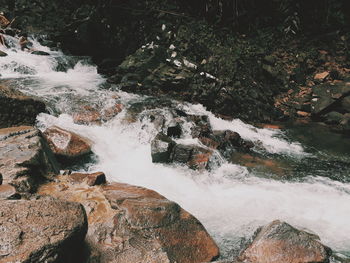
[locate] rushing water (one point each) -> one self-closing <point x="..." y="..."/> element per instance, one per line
<point x="308" y="187"/>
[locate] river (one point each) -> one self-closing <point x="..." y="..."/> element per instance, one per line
<point x="308" y="186"/>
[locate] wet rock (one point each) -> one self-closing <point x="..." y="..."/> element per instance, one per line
<point x="40" y="53"/>
<point x="3" y="54"/>
<point x="25" y="158"/>
<point x="161" y="148"/>
<point x="133" y="224"/>
<point x="227" y="142"/>
<point x="41" y="231"/>
<point x="93" y="115"/>
<point x="201" y="125"/>
<point x="280" y="242"/>
<point x="66" y="145"/>
<point x="91" y="179"/>
<point x="8" y="192"/>
<point x="192" y="155"/>
<point x="18" y="109"/>
<point x="174" y="131"/>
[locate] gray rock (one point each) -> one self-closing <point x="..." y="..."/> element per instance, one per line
<point x="333" y="117"/>
<point x="161" y="147"/>
<point x="25" y="158"/>
<point x="345" y="104"/>
<point x="41" y="231"/>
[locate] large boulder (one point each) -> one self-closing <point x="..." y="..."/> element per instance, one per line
<point x="129" y="224"/>
<point x="280" y="242"/>
<point x="41" y="231"/>
<point x="66" y="145"/>
<point x="25" y="158"/>
<point x="18" y="109"/>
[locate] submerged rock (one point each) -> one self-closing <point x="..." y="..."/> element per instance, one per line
<point x="280" y="242"/>
<point x="94" y="115"/>
<point x="3" y="54"/>
<point x="67" y="145"/>
<point x="18" y="109"/>
<point x="132" y="224"/>
<point x="40" y="53"/>
<point x="25" y="158"/>
<point x="41" y="231"/>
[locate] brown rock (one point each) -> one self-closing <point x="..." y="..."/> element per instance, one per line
<point x="91" y="115"/>
<point x="321" y="76"/>
<point x="280" y="242"/>
<point x="66" y="144"/>
<point x="303" y="114"/>
<point x="91" y="179"/>
<point x="41" y="231"/>
<point x="129" y="224"/>
<point x="18" y="109"/>
<point x="25" y="158"/>
<point x="8" y="192"/>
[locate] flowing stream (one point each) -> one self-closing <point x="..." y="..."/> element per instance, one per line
<point x="304" y="177"/>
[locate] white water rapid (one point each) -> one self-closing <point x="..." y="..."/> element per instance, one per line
<point x="231" y="201"/>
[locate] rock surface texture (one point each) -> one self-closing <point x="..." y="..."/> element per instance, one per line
<point x="133" y="224"/>
<point x="41" y="231"/>
<point x="25" y="158"/>
<point x="280" y="242"/>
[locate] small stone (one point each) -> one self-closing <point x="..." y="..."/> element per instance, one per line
<point x="321" y="76"/>
<point x="303" y="114"/>
<point x="8" y="192"/>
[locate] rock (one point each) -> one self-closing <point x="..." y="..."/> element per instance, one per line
<point x="303" y="113"/>
<point x="66" y="145"/>
<point x="25" y="158"/>
<point x="321" y="76"/>
<point x="227" y="142"/>
<point x="40" y="53"/>
<point x="333" y="117"/>
<point x="192" y="155"/>
<point x="131" y="224"/>
<point x="3" y="54"/>
<point x="174" y="131"/>
<point x="345" y="104"/>
<point x="91" y="179"/>
<point x="8" y="192"/>
<point x="18" y="109"/>
<point x="201" y="125"/>
<point x="92" y="115"/>
<point x="280" y="242"/>
<point x="41" y="231"/>
<point x="161" y="148"/>
<point x="328" y="97"/>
